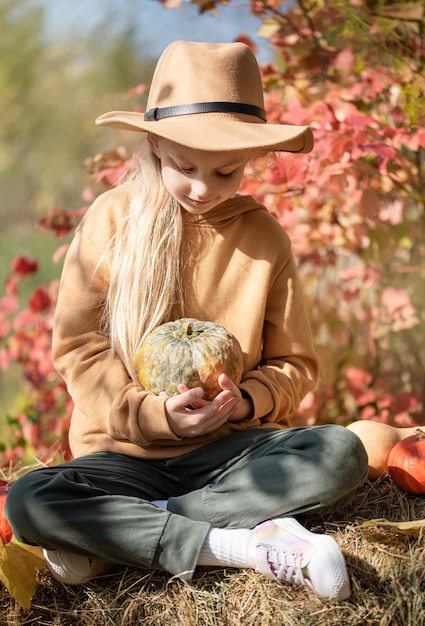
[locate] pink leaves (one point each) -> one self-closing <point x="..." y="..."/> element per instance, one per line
<point x="397" y="311"/>
<point x="344" y="60"/>
<point x="42" y="408"/>
<point x="369" y="394"/>
<point x="392" y="212"/>
<point x="353" y="208"/>
<point x="42" y="411"/>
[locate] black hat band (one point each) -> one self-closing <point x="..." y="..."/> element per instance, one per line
<point x="156" y="114"/>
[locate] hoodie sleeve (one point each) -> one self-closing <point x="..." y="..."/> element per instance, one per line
<point x="96" y="378"/>
<point x="288" y="369"/>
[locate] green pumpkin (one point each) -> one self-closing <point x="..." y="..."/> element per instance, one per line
<point x="190" y="352"/>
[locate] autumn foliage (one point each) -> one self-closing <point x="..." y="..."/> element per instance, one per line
<point x="354" y="210"/>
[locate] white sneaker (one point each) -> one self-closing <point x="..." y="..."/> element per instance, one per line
<point x="285" y="550"/>
<point x="72" y="569"/>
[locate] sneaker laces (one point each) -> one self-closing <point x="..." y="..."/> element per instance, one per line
<point x="283" y="549"/>
<point x="281" y="564"/>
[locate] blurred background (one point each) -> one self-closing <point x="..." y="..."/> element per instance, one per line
<point x="354" y="209"/>
<point x="63" y="63"/>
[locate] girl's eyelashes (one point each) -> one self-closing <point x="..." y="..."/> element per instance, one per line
<point x="190" y="170"/>
<point x="185" y="170"/>
<point x="181" y="168"/>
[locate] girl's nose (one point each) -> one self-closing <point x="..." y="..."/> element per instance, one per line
<point x="201" y="187"/>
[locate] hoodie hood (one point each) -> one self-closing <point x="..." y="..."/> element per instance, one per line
<point x="224" y="213"/>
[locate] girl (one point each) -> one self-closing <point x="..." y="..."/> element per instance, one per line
<point x="173" y="482"/>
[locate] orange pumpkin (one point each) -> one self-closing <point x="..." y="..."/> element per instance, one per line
<point x="5" y="529"/>
<point x="379" y="439"/>
<point x="190" y="352"/>
<point x="406" y="463"/>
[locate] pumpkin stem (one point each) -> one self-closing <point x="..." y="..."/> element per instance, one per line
<point x="420" y="434"/>
<point x="189" y="330"/>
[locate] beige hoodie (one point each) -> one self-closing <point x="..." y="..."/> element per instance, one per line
<point x="238" y="272"/>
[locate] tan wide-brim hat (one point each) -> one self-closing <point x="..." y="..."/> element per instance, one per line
<point x="209" y="96"/>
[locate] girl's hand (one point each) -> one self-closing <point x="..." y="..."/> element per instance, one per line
<point x="190" y="415"/>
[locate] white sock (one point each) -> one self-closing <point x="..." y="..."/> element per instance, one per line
<point x="161" y="504"/>
<point x="226" y="546"/>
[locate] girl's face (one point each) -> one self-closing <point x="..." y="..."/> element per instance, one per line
<point x="197" y="179"/>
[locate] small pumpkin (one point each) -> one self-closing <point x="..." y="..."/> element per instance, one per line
<point x="406" y="463"/>
<point x="5" y="529"/>
<point x="379" y="439"/>
<point x="190" y="352"/>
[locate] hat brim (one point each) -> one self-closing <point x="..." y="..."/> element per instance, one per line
<point x="216" y="132"/>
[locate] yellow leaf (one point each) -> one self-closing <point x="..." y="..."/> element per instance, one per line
<point x="269" y="27"/>
<point x="18" y="565"/>
<point x="410" y="527"/>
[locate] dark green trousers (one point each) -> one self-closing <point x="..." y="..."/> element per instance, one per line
<point x="100" y="505"/>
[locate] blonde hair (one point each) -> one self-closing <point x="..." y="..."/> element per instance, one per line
<point x="145" y="284"/>
<point x="145" y="288"/>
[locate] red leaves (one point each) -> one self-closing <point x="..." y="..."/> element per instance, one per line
<point x="109" y="168"/>
<point x="353" y="209"/>
<point x="40" y="300"/>
<point x="5" y="529"/>
<point x="40" y="423"/>
<point x="348" y="209"/>
<point x="22" y="266"/>
<point x="60" y="221"/>
<point x="43" y="407"/>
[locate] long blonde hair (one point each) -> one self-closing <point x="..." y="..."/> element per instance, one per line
<point x="145" y="283"/>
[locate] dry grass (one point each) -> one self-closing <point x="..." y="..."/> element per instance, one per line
<point x="386" y="568"/>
